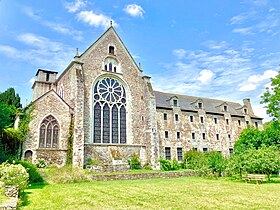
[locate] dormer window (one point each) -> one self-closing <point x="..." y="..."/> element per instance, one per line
<point x="225" y="108"/>
<point x="245" y="111"/>
<point x="175" y="102"/>
<point x="111" y="50"/>
<point x="47" y="77"/>
<point x="199" y="104"/>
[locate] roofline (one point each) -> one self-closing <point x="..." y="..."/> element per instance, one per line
<point x="111" y="27"/>
<point x="52" y="90"/>
<point x="46" y="71"/>
<point x="67" y="69"/>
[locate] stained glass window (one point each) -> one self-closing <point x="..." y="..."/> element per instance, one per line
<point x="49" y="133"/>
<point x="109" y="112"/>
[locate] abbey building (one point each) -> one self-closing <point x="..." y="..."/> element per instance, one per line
<point x="105" y="102"/>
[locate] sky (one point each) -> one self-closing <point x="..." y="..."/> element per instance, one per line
<point x="223" y="49"/>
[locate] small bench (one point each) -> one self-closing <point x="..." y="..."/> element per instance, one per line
<point x="255" y="177"/>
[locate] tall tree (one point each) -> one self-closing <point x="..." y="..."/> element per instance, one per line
<point x="10" y="97"/>
<point x="272" y="98"/>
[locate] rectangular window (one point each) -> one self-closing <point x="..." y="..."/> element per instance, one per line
<point x="199" y="105"/>
<point x="247" y="123"/>
<point x="217" y="137"/>
<point x="165" y="116"/>
<point x="166" y="134"/>
<point x="167" y="153"/>
<point x="230" y="151"/>
<point x="175" y="102"/>
<point x="215" y="120"/>
<point x="245" y="111"/>
<point x="180" y="154"/>
<point x="191" y="118"/>
<point x="227" y="121"/>
<point x="178" y="135"/>
<point x="202" y="119"/>
<point x="225" y="108"/>
<point x="176" y="117"/>
<point x="47" y="77"/>
<point x="239" y="122"/>
<point x="205" y="149"/>
<point x="193" y="135"/>
<point x="256" y="124"/>
<point x="229" y="137"/>
<point x="203" y="136"/>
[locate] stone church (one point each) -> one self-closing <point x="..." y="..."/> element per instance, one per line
<point x="108" y="104"/>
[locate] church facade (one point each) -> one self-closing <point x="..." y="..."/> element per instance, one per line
<point x="105" y="102"/>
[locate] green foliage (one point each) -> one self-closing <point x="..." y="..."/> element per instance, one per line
<point x="167" y="165"/>
<point x="249" y="137"/>
<point x="34" y="176"/>
<point x="7" y="116"/>
<point x="194" y="160"/>
<point x="12" y="174"/>
<point x="69" y="154"/>
<point x="10" y="98"/>
<point x="134" y="163"/>
<point x="264" y="160"/>
<point x="272" y="98"/>
<point x="93" y="162"/>
<point x="147" y="166"/>
<point x="41" y="163"/>
<point x="271" y="134"/>
<point x="216" y="162"/>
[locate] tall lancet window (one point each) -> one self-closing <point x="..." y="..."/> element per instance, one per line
<point x="49" y="133"/>
<point x="109" y="112"/>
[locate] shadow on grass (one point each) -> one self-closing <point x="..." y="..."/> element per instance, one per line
<point x="24" y="201"/>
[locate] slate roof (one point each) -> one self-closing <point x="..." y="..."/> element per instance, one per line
<point x="189" y="103"/>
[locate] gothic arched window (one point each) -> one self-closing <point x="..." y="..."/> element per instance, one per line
<point x="109" y="112"/>
<point x="49" y="133"/>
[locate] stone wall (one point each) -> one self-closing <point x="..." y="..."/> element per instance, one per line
<point x="127" y="176"/>
<point x="50" y="104"/>
<point x="209" y="127"/>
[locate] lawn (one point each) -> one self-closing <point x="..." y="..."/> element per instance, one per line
<point x="175" y="193"/>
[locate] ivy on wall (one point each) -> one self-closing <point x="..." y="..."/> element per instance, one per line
<point x="69" y="155"/>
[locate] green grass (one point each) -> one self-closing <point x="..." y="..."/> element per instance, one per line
<point x="175" y="193"/>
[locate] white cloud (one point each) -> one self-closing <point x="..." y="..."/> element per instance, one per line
<point x="215" y="45"/>
<point x="73" y="7"/>
<point x="58" y="27"/>
<point x="205" y="76"/>
<point x="179" y="53"/>
<point x="241" y="18"/>
<point x="244" y="31"/>
<point x="94" y="19"/>
<point x="259" y="78"/>
<point x="134" y="10"/>
<point x="32" y="80"/>
<point x="247" y="87"/>
<point x="40" y="52"/>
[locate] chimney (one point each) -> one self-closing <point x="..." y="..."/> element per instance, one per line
<point x="247" y="103"/>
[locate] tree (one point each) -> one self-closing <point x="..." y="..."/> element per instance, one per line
<point x="272" y="98"/>
<point x="9" y="97"/>
<point x="265" y="160"/>
<point x="249" y="137"/>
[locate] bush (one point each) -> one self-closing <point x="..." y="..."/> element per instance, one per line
<point x="93" y="162"/>
<point x="12" y="174"/>
<point x="216" y="162"/>
<point x="134" y="162"/>
<point x="147" y="166"/>
<point x="41" y="163"/>
<point x="34" y="176"/>
<point x="165" y="165"/>
<point x="195" y="160"/>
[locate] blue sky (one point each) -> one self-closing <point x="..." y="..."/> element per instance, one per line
<point x="225" y="49"/>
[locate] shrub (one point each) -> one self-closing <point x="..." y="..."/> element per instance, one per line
<point x="165" y="165"/>
<point x="134" y="162"/>
<point x="195" y="160"/>
<point x="147" y="166"/>
<point x="34" y="176"/>
<point x="12" y="174"/>
<point x="93" y="162"/>
<point x="41" y="163"/>
<point x="175" y="165"/>
<point x="216" y="162"/>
